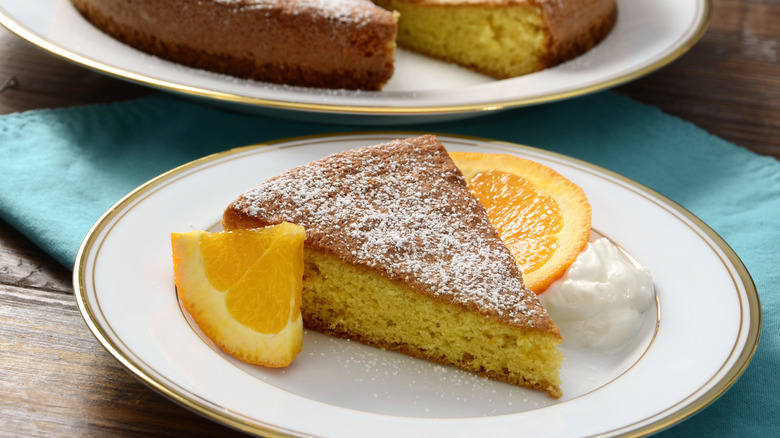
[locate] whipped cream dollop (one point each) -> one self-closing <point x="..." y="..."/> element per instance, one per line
<point x="600" y="300"/>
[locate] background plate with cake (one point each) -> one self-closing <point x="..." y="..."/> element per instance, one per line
<point x="645" y="37"/>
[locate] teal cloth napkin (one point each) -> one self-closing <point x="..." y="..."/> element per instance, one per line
<point x="61" y="169"/>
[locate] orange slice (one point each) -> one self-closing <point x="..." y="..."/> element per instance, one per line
<point x="542" y="217"/>
<point x="243" y="289"/>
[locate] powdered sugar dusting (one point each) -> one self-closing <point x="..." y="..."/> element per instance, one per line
<point x="403" y="210"/>
<point x="351" y="11"/>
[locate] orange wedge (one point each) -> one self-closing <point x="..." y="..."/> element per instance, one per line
<point x="542" y="217"/>
<point x="243" y="289"/>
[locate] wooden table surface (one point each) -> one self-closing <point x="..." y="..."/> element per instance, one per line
<point x="57" y="380"/>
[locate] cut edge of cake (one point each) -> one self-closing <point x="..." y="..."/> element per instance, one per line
<point x="502" y="38"/>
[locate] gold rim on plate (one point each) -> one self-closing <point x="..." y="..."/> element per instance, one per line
<point x="729" y="371"/>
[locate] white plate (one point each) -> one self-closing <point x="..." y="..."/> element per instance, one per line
<point x="647" y="36"/>
<point x="682" y="359"/>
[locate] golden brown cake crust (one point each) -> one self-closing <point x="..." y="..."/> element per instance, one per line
<point x="576" y="26"/>
<point x="401" y="210"/>
<point x="315" y="43"/>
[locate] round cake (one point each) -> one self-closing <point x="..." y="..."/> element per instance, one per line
<point x="351" y="43"/>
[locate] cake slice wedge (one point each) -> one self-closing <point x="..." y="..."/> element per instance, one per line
<point x="400" y="255"/>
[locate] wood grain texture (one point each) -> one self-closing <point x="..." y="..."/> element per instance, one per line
<point x="45" y="81"/>
<point x="57" y="380"/>
<point x="62" y="383"/>
<point x="728" y="83"/>
<point x="24" y="265"/>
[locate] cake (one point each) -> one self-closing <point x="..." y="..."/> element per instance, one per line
<point x="351" y="43"/>
<point x="502" y="38"/>
<point x="314" y="43"/>
<point x="400" y="255"/>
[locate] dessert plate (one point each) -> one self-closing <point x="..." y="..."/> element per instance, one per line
<point x="681" y="359"/>
<point x="647" y="36"/>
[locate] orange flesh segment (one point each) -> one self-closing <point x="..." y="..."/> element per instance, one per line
<point x="243" y="289"/>
<point x="228" y="256"/>
<point x="260" y="299"/>
<point x="542" y="217"/>
<point x="528" y="222"/>
<point x="257" y="272"/>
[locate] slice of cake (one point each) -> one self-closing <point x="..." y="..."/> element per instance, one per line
<point x="314" y="43"/>
<point x="400" y="255"/>
<point x="502" y="38"/>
